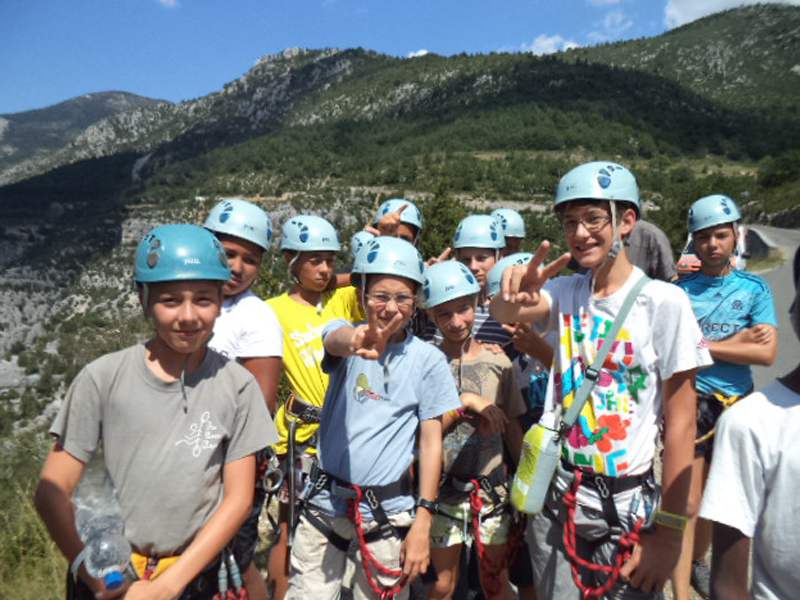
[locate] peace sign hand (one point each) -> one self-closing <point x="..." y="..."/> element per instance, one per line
<point x="521" y="284"/>
<point x="369" y="341"/>
<point x="441" y="258"/>
<point x="389" y="223"/>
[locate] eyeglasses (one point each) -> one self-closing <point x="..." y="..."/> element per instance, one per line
<point x="592" y="223"/>
<point x="379" y="299"/>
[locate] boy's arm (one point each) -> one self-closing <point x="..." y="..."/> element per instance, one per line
<point x="338" y="342"/>
<point x="415" y="552"/>
<point x="513" y="439"/>
<point x="757" y="345"/>
<point x="730" y="561"/>
<point x="267" y="371"/>
<point x="239" y="483"/>
<point x="656" y="555"/>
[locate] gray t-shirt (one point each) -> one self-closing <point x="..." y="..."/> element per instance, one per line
<point x="166" y="463"/>
<point x="648" y="248"/>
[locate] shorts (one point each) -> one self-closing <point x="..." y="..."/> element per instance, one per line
<point x="453" y="524"/>
<point x="709" y="409"/>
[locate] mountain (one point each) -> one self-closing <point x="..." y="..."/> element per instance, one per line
<point x="28" y="138"/>
<point x="745" y="57"/>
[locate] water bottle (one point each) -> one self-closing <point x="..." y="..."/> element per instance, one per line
<point x="98" y="518"/>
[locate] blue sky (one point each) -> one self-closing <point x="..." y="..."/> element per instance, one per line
<point x="182" y="49"/>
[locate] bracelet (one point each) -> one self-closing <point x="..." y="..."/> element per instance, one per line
<point x="670" y="520"/>
<point x="457" y="413"/>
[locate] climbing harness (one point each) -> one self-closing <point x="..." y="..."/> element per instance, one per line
<point x="727" y="402"/>
<point x="606" y="487"/>
<point x="230" y="580"/>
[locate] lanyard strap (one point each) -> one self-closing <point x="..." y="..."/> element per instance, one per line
<point x="592" y="373"/>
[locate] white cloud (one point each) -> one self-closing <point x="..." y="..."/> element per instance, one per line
<point x="603" y="2"/>
<point x="548" y="44"/>
<point x="168" y="3"/>
<point x="612" y="26"/>
<point x="418" y="53"/>
<point x="680" y="12"/>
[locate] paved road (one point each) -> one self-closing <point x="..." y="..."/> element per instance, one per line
<point x="780" y="280"/>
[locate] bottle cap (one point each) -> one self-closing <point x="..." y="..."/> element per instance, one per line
<point x="113" y="580"/>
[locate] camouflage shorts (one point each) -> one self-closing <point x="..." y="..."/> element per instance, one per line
<point x="454" y="525"/>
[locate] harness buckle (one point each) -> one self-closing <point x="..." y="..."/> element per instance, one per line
<point x="342" y="491"/>
<point x="486" y="485"/>
<point x="591" y="374"/>
<point x="371" y="498"/>
<point x="602" y="487"/>
<point x="321" y="481"/>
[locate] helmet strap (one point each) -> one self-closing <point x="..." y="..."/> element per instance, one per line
<point x="616" y="245"/>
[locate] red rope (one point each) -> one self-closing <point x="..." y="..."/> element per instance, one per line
<point x="626" y="544"/>
<point x="491" y="569"/>
<point x="368" y="560"/>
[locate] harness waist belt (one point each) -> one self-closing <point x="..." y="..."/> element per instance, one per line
<point x="373" y="494"/>
<point x="487" y="482"/>
<point x="303" y="411"/>
<point x="606" y="486"/>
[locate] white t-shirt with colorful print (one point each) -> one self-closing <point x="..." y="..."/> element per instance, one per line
<point x="615" y="433"/>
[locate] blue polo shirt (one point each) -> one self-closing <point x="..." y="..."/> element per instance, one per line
<point x="724" y="306"/>
<point x="371" y="415"/>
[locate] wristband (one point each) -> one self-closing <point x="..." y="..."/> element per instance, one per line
<point x="457" y="413"/>
<point x="430" y="505"/>
<point x="670" y="520"/>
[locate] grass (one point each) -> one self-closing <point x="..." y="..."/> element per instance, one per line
<point x="761" y="265"/>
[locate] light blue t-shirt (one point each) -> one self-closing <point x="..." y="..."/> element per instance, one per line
<point x="371" y="415"/>
<point x="724" y="306"/>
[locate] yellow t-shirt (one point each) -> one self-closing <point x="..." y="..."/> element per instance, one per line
<point x="302" y="350"/>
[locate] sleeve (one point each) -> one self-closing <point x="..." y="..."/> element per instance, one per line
<point x="263" y="335"/>
<point x="664" y="259"/>
<point x="677" y="338"/>
<point x="436" y="388"/>
<point x="513" y="404"/>
<point x="763" y="310"/>
<point x="736" y="486"/>
<point x="253" y="427"/>
<point x="330" y="362"/>
<point x="78" y="425"/>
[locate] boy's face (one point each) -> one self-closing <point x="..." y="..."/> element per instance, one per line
<point x="455" y="318"/>
<point x="183" y="313"/>
<point x="513" y="245"/>
<point x="588" y="231"/>
<point x="479" y="261"/>
<point x="404" y="231"/>
<point x="315" y="269"/>
<point x="715" y="245"/>
<point x="387" y="295"/>
<point x="244" y="260"/>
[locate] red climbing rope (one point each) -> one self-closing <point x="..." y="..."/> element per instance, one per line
<point x="626" y="544"/>
<point x="368" y="560"/>
<point x="491" y="569"/>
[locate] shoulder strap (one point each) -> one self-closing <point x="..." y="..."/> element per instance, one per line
<point x="593" y="372"/>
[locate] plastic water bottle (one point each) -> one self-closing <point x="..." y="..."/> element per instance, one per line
<point x="101" y="528"/>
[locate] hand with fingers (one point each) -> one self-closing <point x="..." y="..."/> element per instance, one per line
<point x="441" y="258"/>
<point x="390" y="222"/>
<point x="415" y="553"/>
<point x="652" y="561"/>
<point x="369" y="341"/>
<point x="528" y="341"/>
<point x="493" y="419"/>
<point x="521" y="284"/>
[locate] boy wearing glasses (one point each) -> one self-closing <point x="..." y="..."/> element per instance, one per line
<point x="387" y="393"/>
<point x="603" y="490"/>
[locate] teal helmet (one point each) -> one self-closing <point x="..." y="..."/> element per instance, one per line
<point x="309" y="233"/>
<point x="712" y="210"/>
<point x="180" y="253"/>
<point x="410" y="216"/>
<point x="598" y="181"/>
<point x="495" y="276"/>
<point x="391" y="256"/>
<point x="511" y="221"/>
<point x="479" y="231"/>
<point x="242" y="219"/>
<point x="447" y="281"/>
<point x="359" y="240"/>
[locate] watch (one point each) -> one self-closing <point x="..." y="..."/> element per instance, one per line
<point x="430" y="505"/>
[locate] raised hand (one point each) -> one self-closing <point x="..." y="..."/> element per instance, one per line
<point x="389" y="223"/>
<point x="521" y="284"/>
<point x="441" y="258"/>
<point x="369" y="341"/>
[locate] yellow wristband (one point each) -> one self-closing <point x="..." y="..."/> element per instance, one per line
<point x="671" y="520"/>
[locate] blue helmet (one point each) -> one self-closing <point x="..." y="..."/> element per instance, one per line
<point x="391" y="256"/>
<point x="511" y="220"/>
<point x="598" y="181"/>
<point x="479" y="231"/>
<point x="495" y="276"/>
<point x="242" y="219"/>
<point x="309" y="233"/>
<point x="447" y="281"/>
<point x="410" y="216"/>
<point x="180" y="253"/>
<point x="712" y="210"/>
<point x="358" y="241"/>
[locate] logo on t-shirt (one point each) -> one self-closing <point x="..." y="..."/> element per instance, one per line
<point x="201" y="435"/>
<point x="363" y="392"/>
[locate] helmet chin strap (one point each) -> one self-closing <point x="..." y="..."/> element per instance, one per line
<point x="616" y="245"/>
